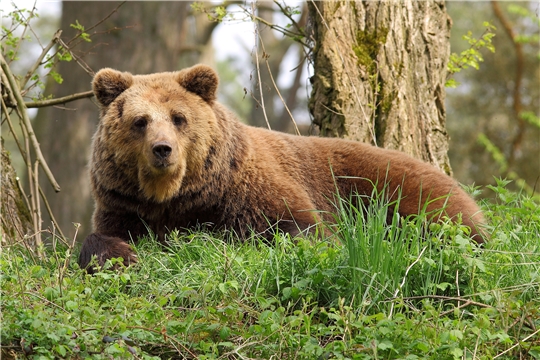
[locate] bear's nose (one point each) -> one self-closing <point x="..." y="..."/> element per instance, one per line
<point x="161" y="150"/>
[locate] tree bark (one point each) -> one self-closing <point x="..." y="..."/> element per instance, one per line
<point x="140" y="37"/>
<point x="380" y="69"/>
<point x="16" y="219"/>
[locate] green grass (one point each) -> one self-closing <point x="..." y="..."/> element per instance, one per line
<point x="369" y="291"/>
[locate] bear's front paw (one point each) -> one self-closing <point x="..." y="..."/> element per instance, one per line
<point x="104" y="247"/>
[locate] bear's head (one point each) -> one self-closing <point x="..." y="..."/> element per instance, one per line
<point x="158" y="128"/>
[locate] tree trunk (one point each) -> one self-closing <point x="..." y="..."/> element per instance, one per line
<point x="140" y="37"/>
<point x="16" y="219"/>
<point x="380" y="69"/>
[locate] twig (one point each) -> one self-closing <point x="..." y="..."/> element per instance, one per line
<point x="165" y="336"/>
<point x="102" y="20"/>
<point x="66" y="259"/>
<point x="457" y="288"/>
<point x="49" y="210"/>
<point x="293" y="89"/>
<point x="26" y="25"/>
<point x="53" y="41"/>
<point x="45" y="300"/>
<point x="404" y="278"/>
<point x="517" y="344"/>
<point x="58" y="101"/>
<point x="288" y="15"/>
<point x="448" y="298"/>
<point x="67" y="46"/>
<point x="28" y="162"/>
<point x="276" y="87"/>
<point x="27" y="123"/>
<point x="294" y="36"/>
<point x="459" y="306"/>
<point x="256" y="27"/>
<point x="78" y="60"/>
<point x="39" y="243"/>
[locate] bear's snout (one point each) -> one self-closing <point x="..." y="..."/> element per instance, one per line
<point x="161" y="150"/>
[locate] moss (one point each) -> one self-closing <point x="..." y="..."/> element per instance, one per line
<point x="367" y="47"/>
<point x="387" y="98"/>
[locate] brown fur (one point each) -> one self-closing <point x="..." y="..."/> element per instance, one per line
<point x="220" y="171"/>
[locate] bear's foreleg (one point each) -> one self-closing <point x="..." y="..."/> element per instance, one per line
<point x="104" y="247"/>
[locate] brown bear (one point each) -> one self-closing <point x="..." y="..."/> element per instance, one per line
<point x="166" y="155"/>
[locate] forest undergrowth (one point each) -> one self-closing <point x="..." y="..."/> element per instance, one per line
<point x="370" y="290"/>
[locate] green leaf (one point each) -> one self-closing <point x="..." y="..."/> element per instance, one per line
<point x="37" y="271"/>
<point x="443" y="286"/>
<point x="125" y="277"/>
<point x="50" y="293"/>
<point x="457" y="353"/>
<point x="61" y="349"/>
<point x="56" y="76"/>
<point x="385" y="345"/>
<point x="71" y="305"/>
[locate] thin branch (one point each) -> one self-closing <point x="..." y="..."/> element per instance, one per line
<point x="49" y="210"/>
<point x="26" y="24"/>
<point x="59" y="101"/>
<point x="34" y="67"/>
<point x="39" y="242"/>
<point x="102" y="20"/>
<point x="447" y="298"/>
<point x="292" y="97"/>
<point x="404" y="279"/>
<point x="517" y="105"/>
<point x="33" y="197"/>
<point x="294" y="36"/>
<point x="77" y="59"/>
<point x="46" y="301"/>
<point x="289" y="16"/>
<point x="517" y="344"/>
<point x="277" y="90"/>
<point x="10" y="125"/>
<point x="165" y="336"/>
<point x="27" y="123"/>
<point x="256" y="27"/>
<point x="68" y="46"/>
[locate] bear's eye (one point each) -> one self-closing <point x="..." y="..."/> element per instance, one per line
<point x="178" y="119"/>
<point x="140" y="123"/>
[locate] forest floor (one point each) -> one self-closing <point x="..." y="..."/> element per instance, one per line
<point x="370" y="291"/>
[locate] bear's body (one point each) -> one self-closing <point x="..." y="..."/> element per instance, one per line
<point x="167" y="156"/>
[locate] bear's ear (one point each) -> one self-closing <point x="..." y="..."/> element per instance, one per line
<point x="108" y="84"/>
<point x="201" y="80"/>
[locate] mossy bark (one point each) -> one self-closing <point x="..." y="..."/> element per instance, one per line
<point x="380" y="69"/>
<point x="16" y="219"/>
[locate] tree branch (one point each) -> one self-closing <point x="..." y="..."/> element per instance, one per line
<point x="291" y="34"/>
<point x="40" y="58"/>
<point x="58" y="101"/>
<point x="26" y="121"/>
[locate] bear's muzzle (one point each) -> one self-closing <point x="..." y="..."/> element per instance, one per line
<point x="161" y="151"/>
